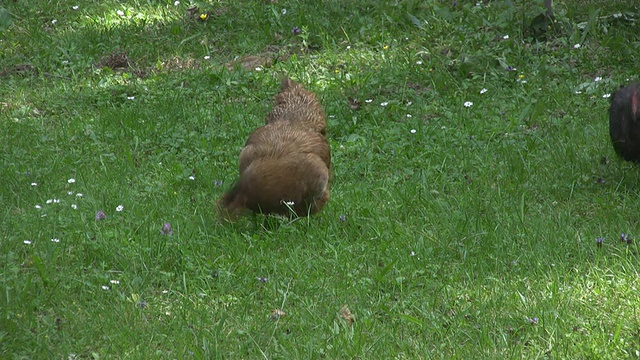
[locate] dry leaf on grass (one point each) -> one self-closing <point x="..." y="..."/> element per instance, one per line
<point x="177" y="64"/>
<point x="346" y="315"/>
<point x="354" y="104"/>
<point x="277" y="314"/>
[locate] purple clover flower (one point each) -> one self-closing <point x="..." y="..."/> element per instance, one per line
<point x="599" y="242"/>
<point x="166" y="229"/>
<point x="217" y="182"/>
<point x="100" y="215"/>
<point x="295" y="31"/>
<point x="262" y="280"/>
<point x="342" y="218"/>
<point x="511" y="68"/>
<point x="626" y="239"/>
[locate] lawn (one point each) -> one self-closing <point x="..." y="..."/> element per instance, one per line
<point x="477" y="208"/>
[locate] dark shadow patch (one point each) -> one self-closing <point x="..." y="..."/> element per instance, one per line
<point x="23" y="70"/>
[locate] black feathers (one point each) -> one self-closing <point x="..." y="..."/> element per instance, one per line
<point x="624" y="122"/>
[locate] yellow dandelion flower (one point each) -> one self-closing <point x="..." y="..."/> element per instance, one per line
<point x="204" y="16"/>
<point x="386" y="47"/>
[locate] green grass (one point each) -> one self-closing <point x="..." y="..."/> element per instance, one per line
<point x="471" y="237"/>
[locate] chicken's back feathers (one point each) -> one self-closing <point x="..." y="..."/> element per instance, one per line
<point x="284" y="165"/>
<point x="297" y="106"/>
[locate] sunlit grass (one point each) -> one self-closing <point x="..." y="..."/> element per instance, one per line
<point x="472" y="177"/>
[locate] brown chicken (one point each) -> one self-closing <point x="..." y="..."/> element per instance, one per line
<point x="624" y="122"/>
<point x="284" y="165"/>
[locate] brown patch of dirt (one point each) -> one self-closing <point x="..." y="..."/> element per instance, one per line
<point x="116" y="60"/>
<point x="265" y="59"/>
<point x="119" y="60"/>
